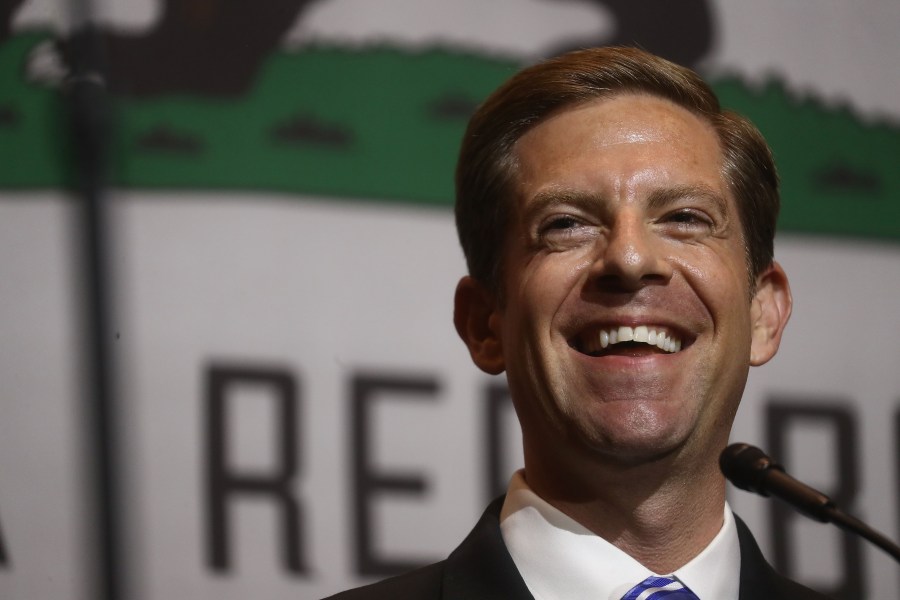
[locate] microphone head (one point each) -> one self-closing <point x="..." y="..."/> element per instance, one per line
<point x="747" y="467"/>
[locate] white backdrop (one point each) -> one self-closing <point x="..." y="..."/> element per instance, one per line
<point x="329" y="294"/>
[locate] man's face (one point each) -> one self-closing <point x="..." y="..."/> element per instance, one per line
<point x="623" y="227"/>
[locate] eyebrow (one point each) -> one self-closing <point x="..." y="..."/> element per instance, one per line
<point x="662" y="197"/>
<point x="555" y="197"/>
<point x="659" y="198"/>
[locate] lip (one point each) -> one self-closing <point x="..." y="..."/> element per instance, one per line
<point x="625" y="359"/>
<point x="626" y="369"/>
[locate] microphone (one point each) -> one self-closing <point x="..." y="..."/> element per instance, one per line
<point x="751" y="469"/>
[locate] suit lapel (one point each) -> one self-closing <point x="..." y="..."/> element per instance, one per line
<point x="481" y="567"/>
<point x="758" y="578"/>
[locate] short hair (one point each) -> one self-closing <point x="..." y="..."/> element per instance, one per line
<point x="486" y="166"/>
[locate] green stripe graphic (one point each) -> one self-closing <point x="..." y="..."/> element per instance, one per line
<point x="384" y="123"/>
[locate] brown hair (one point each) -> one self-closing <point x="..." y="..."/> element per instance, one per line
<point x="486" y="165"/>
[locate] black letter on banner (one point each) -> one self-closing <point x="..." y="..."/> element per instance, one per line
<point x="679" y="31"/>
<point x="780" y="417"/>
<point x="367" y="481"/>
<point x="222" y="483"/>
<point x="497" y="403"/>
<point x="4" y="557"/>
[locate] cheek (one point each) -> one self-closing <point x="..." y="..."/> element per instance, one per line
<point x="550" y="280"/>
<point x="721" y="282"/>
<point x="725" y="296"/>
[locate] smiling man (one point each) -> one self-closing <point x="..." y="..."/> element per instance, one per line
<point x="618" y="228"/>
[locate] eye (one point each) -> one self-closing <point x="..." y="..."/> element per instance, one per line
<point x="688" y="221"/>
<point x="561" y="222"/>
<point x="565" y="231"/>
<point x="688" y="217"/>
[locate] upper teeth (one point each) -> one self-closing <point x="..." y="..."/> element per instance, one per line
<point x="658" y="337"/>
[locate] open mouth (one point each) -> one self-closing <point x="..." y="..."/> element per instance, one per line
<point x="623" y="340"/>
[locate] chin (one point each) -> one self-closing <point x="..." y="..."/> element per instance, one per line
<point x="635" y="452"/>
<point x="636" y="440"/>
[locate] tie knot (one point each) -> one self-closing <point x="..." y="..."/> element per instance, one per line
<point x="660" y="588"/>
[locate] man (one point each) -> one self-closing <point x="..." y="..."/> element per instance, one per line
<point x="618" y="228"/>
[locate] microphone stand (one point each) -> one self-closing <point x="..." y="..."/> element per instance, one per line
<point x="750" y="469"/>
<point x="852" y="524"/>
<point x="87" y="102"/>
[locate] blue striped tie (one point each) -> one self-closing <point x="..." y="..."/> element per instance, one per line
<point x="660" y="588"/>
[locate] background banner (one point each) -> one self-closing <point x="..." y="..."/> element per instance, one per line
<point x="297" y="413"/>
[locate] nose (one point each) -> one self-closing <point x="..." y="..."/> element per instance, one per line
<point x="630" y="257"/>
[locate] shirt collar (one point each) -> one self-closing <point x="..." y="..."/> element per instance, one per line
<point x="559" y="559"/>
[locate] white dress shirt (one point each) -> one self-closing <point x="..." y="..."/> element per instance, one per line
<point x="559" y="559"/>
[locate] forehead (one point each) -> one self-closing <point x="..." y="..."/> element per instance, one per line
<point x="628" y="137"/>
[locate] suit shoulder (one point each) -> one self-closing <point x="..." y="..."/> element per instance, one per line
<point x="760" y="580"/>
<point x="421" y="584"/>
<point x="795" y="591"/>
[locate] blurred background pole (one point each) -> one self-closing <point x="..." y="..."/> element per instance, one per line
<point x="89" y="113"/>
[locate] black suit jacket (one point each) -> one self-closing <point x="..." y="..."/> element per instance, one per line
<point x="482" y="569"/>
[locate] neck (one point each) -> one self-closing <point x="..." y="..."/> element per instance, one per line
<point x="630" y="504"/>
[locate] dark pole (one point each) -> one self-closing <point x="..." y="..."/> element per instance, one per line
<point x="89" y="114"/>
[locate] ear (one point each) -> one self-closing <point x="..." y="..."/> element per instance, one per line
<point x="476" y="317"/>
<point x="770" y="310"/>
